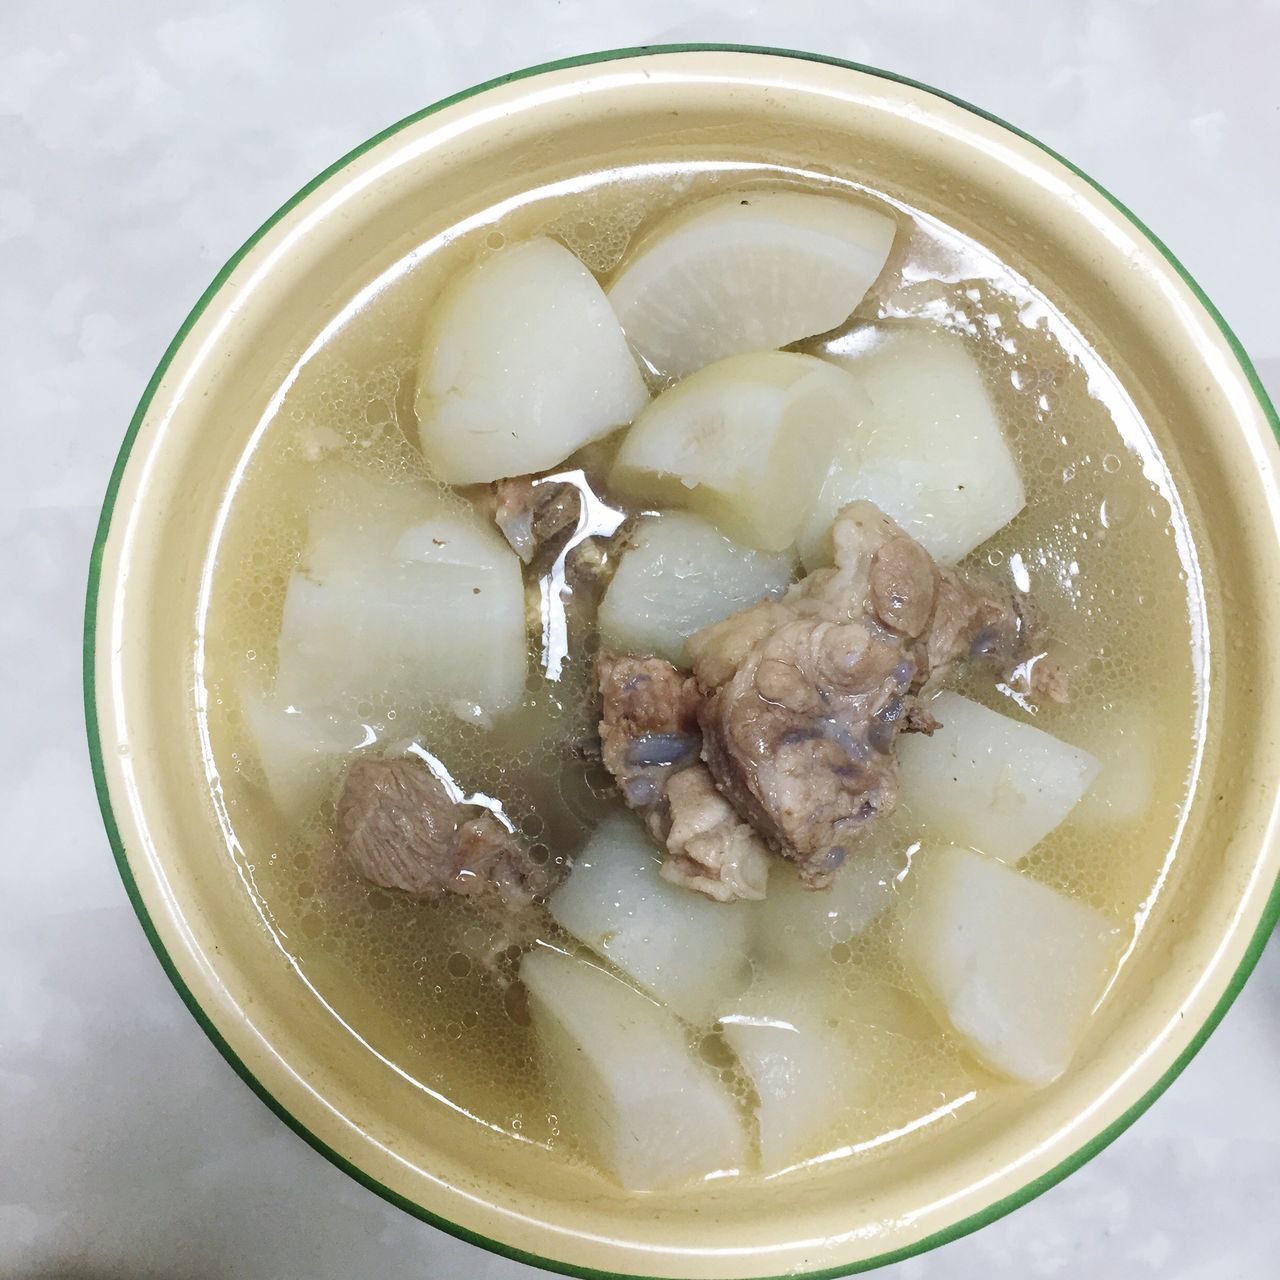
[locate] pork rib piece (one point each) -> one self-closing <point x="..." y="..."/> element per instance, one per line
<point x="802" y="698"/>
<point x="650" y="742"/>
<point x="399" y="828"/>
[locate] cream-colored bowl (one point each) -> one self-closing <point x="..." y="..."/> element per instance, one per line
<point x="1174" y="357"/>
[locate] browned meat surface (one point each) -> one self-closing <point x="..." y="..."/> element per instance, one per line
<point x="399" y="828"/>
<point x="804" y="697"/>
<point x="534" y="513"/>
<point x="649" y="740"/>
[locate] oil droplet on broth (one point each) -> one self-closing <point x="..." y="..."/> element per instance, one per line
<point x="416" y="981"/>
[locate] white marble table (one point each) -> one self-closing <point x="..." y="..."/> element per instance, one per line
<point x="140" y="142"/>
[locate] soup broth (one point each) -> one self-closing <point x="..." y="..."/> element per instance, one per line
<point x="1101" y="547"/>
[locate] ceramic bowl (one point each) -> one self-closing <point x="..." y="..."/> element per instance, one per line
<point x="1173" y="356"/>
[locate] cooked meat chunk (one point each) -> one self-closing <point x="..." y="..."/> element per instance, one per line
<point x="396" y="825"/>
<point x="400" y="828"/>
<point x="952" y="618"/>
<point x="534" y="513"/>
<point x="648" y="729"/>
<point x="799" y="739"/>
<point x="650" y="742"/>
<point x="804" y="697"/>
<point x="492" y="861"/>
<point x="918" y="719"/>
<point x="784" y="736"/>
<point x="709" y="847"/>
<point x="901" y="580"/>
<point x="561" y="528"/>
<point x="1040" y="675"/>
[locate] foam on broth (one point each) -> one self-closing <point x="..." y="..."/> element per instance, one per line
<point x="1101" y="545"/>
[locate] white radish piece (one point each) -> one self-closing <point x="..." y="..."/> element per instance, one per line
<point x="748" y="271"/>
<point x="1014" y="966"/>
<point x="524" y="363"/>
<point x="648" y="1110"/>
<point x="300" y="749"/>
<point x="678" y="575"/>
<point x="745" y="442"/>
<point x="685" y="950"/>
<point x="788" y="1038"/>
<point x="796" y="928"/>
<point x="301" y="735"/>
<point x="988" y="781"/>
<point x="356" y="520"/>
<point x="930" y="453"/>
<point x="1124" y="742"/>
<point x="398" y="617"/>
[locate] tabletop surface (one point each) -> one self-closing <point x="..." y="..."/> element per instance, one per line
<point x="140" y="142"/>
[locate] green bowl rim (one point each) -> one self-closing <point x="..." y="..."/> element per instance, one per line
<point x="998" y="1209"/>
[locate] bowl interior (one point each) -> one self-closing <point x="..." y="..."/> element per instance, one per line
<point x="198" y="422"/>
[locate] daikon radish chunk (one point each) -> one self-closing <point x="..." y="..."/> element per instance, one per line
<point x="627" y="1083"/>
<point x="1125" y="744"/>
<point x="745" y="442"/>
<point x="803" y="1064"/>
<point x="796" y="927"/>
<point x="356" y="521"/>
<point x="436" y="615"/>
<point x="748" y="271"/>
<point x="685" y="950"/>
<point x="678" y="575"/>
<point x="401" y="600"/>
<point x="300" y="750"/>
<point x="988" y="781"/>
<point x="1014" y="966"/>
<point x="524" y="363"/>
<point x="930" y="453"/>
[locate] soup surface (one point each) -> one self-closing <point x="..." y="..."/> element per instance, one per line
<point x="1101" y="549"/>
